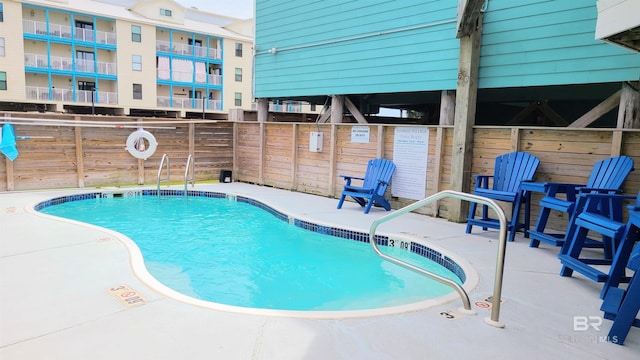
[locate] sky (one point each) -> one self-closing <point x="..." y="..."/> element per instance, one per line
<point x="242" y="9"/>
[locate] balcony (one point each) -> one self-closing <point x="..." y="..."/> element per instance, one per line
<point x="67" y="32"/>
<point x="61" y="63"/>
<point x="36" y="60"/>
<point x="66" y="95"/>
<point x="189" y="50"/>
<point x="187" y="103"/>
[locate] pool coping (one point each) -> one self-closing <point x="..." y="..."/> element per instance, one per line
<point x="443" y="257"/>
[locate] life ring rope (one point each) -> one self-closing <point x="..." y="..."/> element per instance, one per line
<point x="136" y="144"/>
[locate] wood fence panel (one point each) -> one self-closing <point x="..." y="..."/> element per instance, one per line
<point x="312" y="170"/>
<point x="248" y="153"/>
<point x="213" y="149"/>
<point x="278" y="155"/>
<point x="45" y="162"/>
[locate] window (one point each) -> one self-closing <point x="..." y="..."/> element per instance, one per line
<point x="238" y="99"/>
<point x="137" y="91"/>
<point x="136" y="33"/>
<point x="2" y="18"/>
<point x="239" y="74"/>
<point x="165" y="12"/>
<point x="238" y="49"/>
<point x="136" y="63"/>
<point x="313" y="107"/>
<point x="2" y="53"/>
<point x="3" y="80"/>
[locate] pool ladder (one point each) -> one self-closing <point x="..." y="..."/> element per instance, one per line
<point x="164" y="162"/>
<point x="189" y="173"/>
<point x="497" y="288"/>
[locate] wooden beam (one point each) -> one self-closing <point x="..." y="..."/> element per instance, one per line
<point x="437" y="169"/>
<point x="594" y="114"/>
<point x="466" y="100"/>
<point x="523" y="114"/>
<point x="447" y="107"/>
<point x="469" y="11"/>
<point x="294" y="158"/>
<point x="629" y="110"/>
<point x="325" y="114"/>
<point x="337" y="108"/>
<point x="79" y="157"/>
<point x="354" y="111"/>
<point x="552" y="114"/>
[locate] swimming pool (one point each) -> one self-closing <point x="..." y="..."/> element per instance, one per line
<point x="330" y="272"/>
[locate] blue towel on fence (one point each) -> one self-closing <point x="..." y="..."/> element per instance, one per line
<point x="8" y="144"/>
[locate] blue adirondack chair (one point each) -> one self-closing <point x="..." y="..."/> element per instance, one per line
<point x="602" y="214"/>
<point x="509" y="172"/>
<point x="621" y="305"/>
<point x="606" y="177"/>
<point x="374" y="184"/>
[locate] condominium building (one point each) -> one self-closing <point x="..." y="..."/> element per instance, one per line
<point x="120" y="57"/>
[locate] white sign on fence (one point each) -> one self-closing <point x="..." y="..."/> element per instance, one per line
<point x="360" y="134"/>
<point x="410" y="151"/>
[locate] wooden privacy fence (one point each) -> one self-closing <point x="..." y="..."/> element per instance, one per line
<point x="278" y="155"/>
<point x="94" y="155"/>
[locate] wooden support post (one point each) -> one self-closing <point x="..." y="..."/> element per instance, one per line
<point x="294" y="158"/>
<point x="380" y="144"/>
<point x="263" y="110"/>
<point x="261" y="154"/>
<point x="354" y="111"/>
<point x="447" y="107"/>
<point x="337" y="108"/>
<point x="629" y="110"/>
<point x="515" y="139"/>
<point x="79" y="157"/>
<point x="332" y="162"/>
<point x="594" y="114"/>
<point x="466" y="99"/>
<point x="234" y="165"/>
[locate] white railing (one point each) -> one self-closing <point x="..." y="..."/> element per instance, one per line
<point x="104" y="37"/>
<point x="186" y="103"/>
<point x="214" y="104"/>
<point x="84" y="34"/>
<point x="182" y="76"/>
<point x="215" y="79"/>
<point x="65" y="32"/>
<point x="107" y="68"/>
<point x="65" y="95"/>
<point x="88" y="96"/>
<point x="34" y="27"/>
<point x="36" y="60"/>
<point x="61" y="63"/>
<point x="37" y="93"/>
<point x="85" y="65"/>
<point x="184" y="49"/>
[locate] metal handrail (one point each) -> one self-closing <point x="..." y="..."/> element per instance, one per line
<point x="162" y="162"/>
<point x="497" y="289"/>
<point x="190" y="168"/>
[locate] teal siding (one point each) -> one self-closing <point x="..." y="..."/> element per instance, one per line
<point x="538" y="42"/>
<point x="382" y="46"/>
<point x="354" y="47"/>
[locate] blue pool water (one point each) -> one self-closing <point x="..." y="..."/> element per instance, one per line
<point x="239" y="254"/>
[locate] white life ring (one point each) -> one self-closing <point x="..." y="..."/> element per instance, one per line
<point x="137" y="144"/>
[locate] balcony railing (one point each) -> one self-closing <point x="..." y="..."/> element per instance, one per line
<point x="60" y="63"/>
<point x="67" y="32"/>
<point x="66" y="95"/>
<point x="36" y="60"/>
<point x="184" y="49"/>
<point x="294" y="107"/>
<point x="187" y="103"/>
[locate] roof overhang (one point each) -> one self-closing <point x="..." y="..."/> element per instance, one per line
<point x="619" y="23"/>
